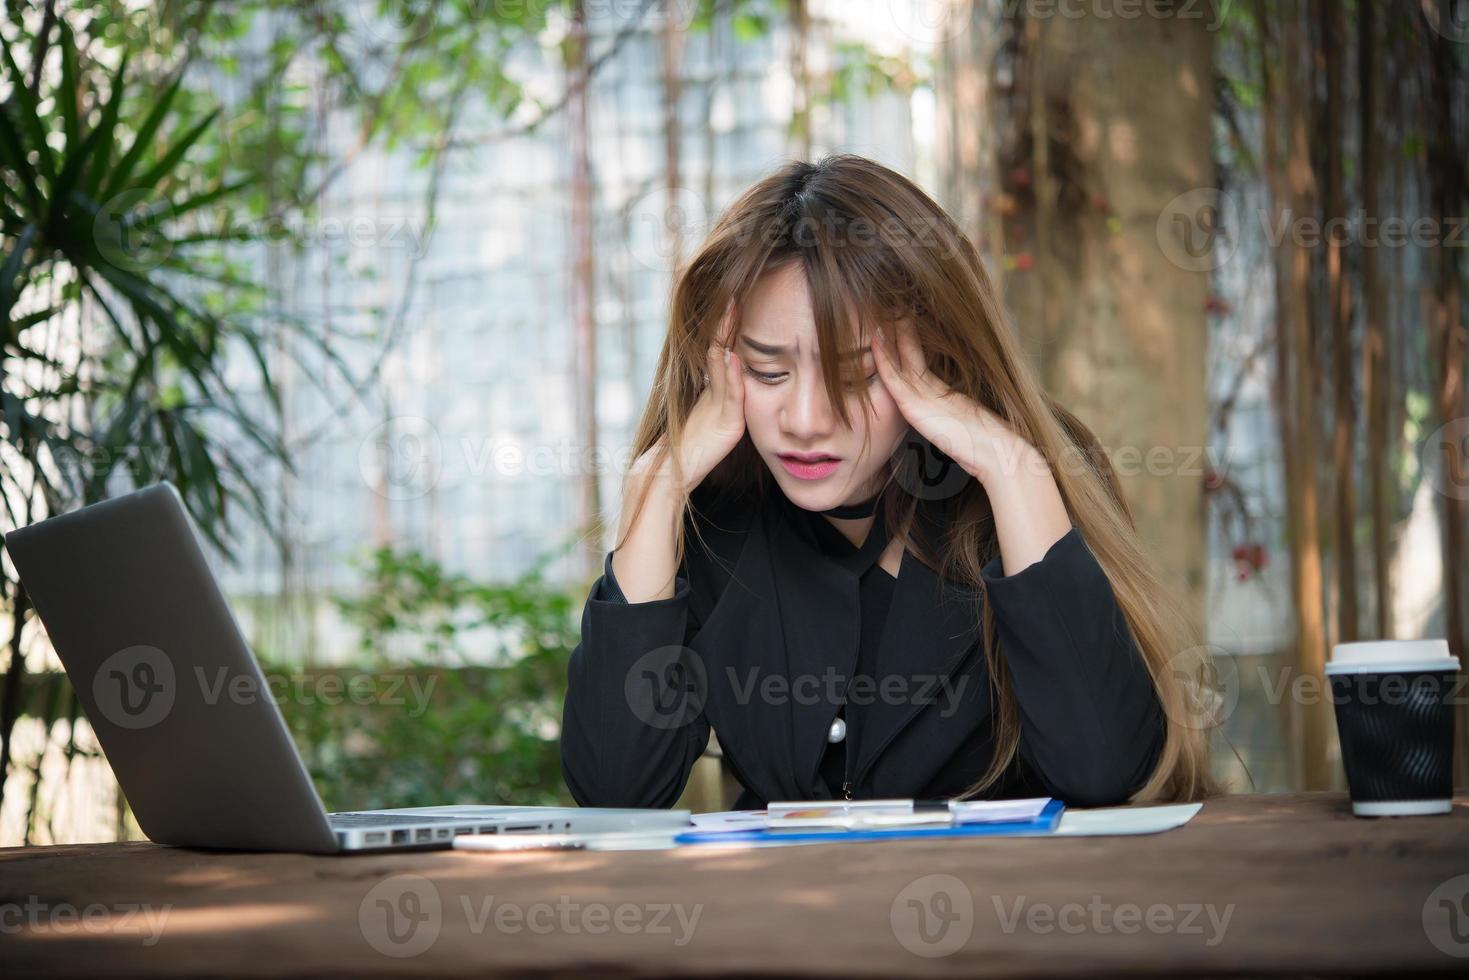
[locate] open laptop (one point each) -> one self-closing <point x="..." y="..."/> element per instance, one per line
<point x="183" y="712"/>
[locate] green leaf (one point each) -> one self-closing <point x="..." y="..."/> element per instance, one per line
<point x="124" y="170"/>
<point x="30" y="113"/>
<point x="10" y="271"/>
<point x="67" y="97"/>
<point x="79" y="156"/>
<point x="164" y="167"/>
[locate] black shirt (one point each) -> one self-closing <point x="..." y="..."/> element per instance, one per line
<point x="766" y="601"/>
<point x="875" y="590"/>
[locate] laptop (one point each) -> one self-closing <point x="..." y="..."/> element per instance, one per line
<point x="183" y="712"/>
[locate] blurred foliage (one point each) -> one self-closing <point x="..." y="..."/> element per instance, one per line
<point x="458" y="684"/>
<point x="117" y="330"/>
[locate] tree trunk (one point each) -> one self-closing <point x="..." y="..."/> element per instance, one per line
<point x="1344" y="428"/>
<point x="1291" y="181"/>
<point x="673" y="45"/>
<point x="1119" y="126"/>
<point x="800" y="128"/>
<point x="583" y="310"/>
<point x="1447" y="345"/>
<point x="1375" y="365"/>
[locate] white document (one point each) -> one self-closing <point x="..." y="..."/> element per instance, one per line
<point x="998" y="811"/>
<point x="1107" y="821"/>
<point x="1097" y="822"/>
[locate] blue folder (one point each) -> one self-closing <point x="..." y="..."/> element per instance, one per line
<point x="1044" y="823"/>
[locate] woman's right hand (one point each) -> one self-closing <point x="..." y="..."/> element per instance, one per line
<point x="717" y="421"/>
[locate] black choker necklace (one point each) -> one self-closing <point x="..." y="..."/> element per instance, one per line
<point x="848" y="512"/>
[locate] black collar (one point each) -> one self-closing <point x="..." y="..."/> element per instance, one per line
<point x="833" y="543"/>
<point x="847" y="512"/>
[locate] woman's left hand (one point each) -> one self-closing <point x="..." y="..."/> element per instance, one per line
<point x="1029" y="513"/>
<point x="967" y="432"/>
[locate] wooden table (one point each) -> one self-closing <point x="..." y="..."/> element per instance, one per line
<point x="1253" y="885"/>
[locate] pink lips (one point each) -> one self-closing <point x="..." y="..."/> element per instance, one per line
<point x="809" y="471"/>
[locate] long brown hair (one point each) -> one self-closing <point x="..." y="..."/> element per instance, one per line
<point x="874" y="248"/>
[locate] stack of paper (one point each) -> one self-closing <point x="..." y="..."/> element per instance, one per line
<point x="872" y="814"/>
<point x="876" y="820"/>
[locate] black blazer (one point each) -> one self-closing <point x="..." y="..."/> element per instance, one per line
<point x="760" y="623"/>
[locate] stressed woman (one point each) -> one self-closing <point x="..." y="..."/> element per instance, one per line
<point x="862" y="544"/>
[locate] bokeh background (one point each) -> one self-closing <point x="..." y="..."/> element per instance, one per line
<point x="380" y="287"/>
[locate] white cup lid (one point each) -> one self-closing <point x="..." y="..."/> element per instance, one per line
<point x="1391" y="655"/>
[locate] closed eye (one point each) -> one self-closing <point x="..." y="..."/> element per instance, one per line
<point x="777" y="377"/>
<point x="769" y="379"/>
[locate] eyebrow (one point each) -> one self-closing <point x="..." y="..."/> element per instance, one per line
<point x="775" y="350"/>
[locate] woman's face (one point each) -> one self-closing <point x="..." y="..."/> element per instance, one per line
<point x="787" y="410"/>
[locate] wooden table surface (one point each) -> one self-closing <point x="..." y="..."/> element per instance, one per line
<point x="1289" y="884"/>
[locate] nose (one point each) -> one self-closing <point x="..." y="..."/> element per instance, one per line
<point x="807" y="415"/>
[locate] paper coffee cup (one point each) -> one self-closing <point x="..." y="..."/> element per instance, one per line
<point x="1396" y="722"/>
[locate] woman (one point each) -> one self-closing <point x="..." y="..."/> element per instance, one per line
<point x="910" y="573"/>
